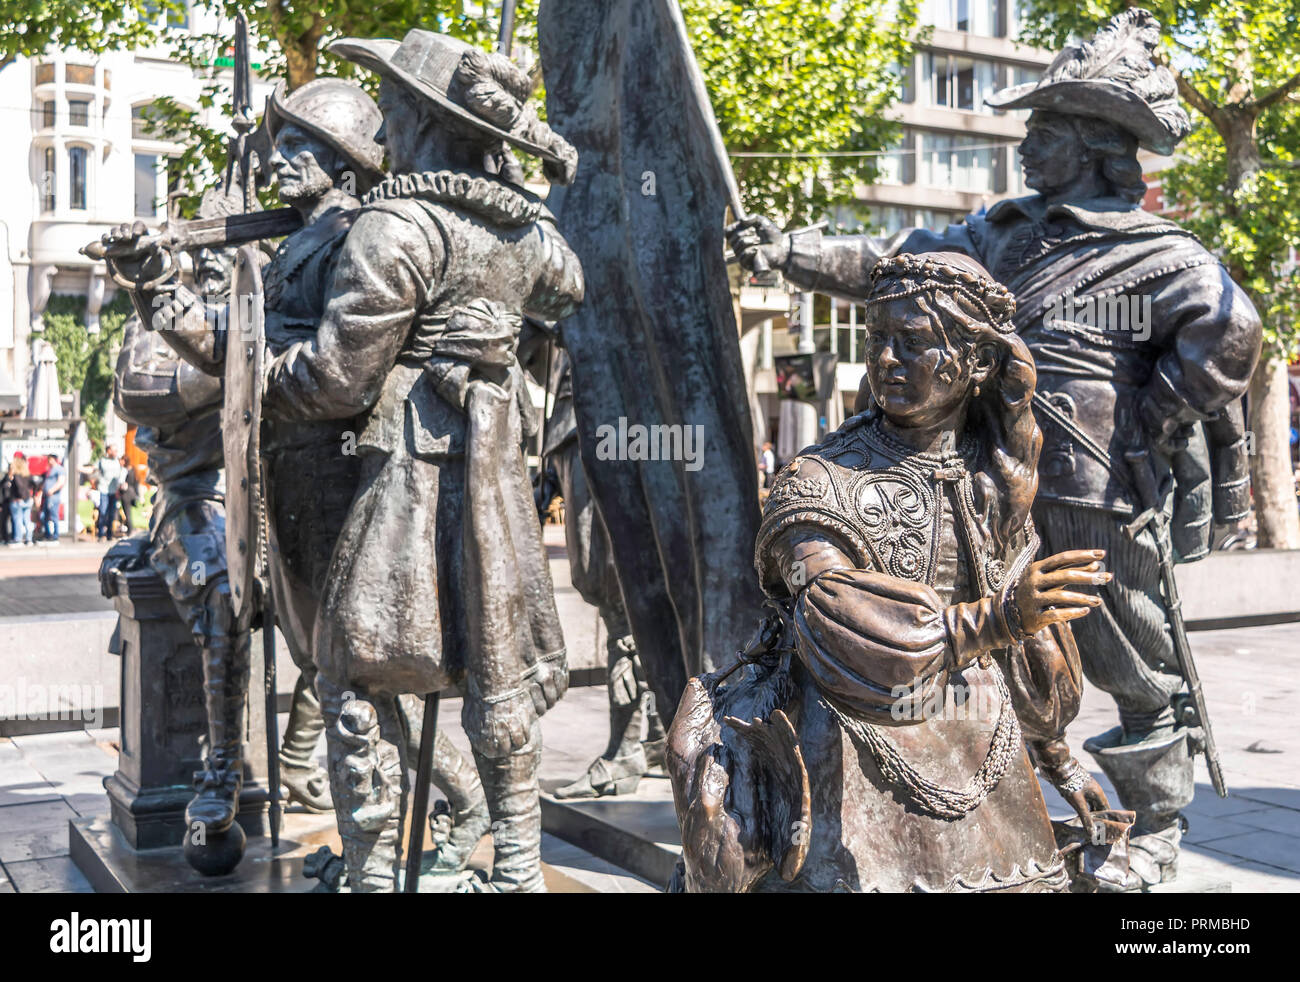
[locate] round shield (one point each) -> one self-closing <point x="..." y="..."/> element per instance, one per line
<point x="241" y="421"/>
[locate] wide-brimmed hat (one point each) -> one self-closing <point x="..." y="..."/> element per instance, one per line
<point x="1113" y="77"/>
<point x="424" y="64"/>
<point x="340" y="113"/>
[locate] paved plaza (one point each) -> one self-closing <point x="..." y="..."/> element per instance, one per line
<point x="1248" y="842"/>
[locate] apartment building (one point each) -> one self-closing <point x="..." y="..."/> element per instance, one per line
<point x="79" y="159"/>
<point x="955" y="156"/>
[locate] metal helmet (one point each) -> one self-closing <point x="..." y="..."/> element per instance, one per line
<point x="341" y="114"/>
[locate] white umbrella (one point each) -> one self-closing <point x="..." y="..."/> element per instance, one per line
<point x="43" y="394"/>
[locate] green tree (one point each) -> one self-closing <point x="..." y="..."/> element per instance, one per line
<point x="792" y="80"/>
<point x="801" y="79"/>
<point x="1235" y="182"/>
<point x="288" y="39"/>
<point x="86" y="361"/>
<point x="31" y="27"/>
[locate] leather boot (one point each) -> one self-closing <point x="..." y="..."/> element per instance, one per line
<point x="225" y="690"/>
<point x="307" y="782"/>
<point x="620" y="768"/>
<point x="1154" y="777"/>
<point x="514" y="802"/>
<point x="367" y="779"/>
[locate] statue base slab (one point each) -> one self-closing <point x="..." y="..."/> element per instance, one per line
<point x="99" y="849"/>
<point x="102" y="853"/>
<point x="636" y="832"/>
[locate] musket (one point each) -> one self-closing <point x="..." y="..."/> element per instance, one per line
<point x="1140" y="481"/>
<point x="239" y="170"/>
<point x="243" y="121"/>
<point x="177" y="236"/>
<point x="1192" y="710"/>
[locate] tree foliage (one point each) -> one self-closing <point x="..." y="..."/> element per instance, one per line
<point x="806" y="77"/>
<point x="1236" y="179"/>
<point x="801" y="77"/>
<point x="31" y="27"/>
<point x="86" y="361"/>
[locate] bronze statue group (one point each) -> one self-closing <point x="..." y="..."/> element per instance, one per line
<point x="941" y="573"/>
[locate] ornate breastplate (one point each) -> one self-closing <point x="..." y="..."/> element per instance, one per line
<point x="884" y="501"/>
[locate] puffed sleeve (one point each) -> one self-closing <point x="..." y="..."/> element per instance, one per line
<point x="1211" y="336"/>
<point x="1046" y="681"/>
<point x="384" y="272"/>
<point x="877" y="643"/>
<point x="560" y="286"/>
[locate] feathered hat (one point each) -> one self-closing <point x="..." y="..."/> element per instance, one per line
<point x="484" y="90"/>
<point x="1112" y="77"/>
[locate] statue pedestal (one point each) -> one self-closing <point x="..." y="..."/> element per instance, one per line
<point x="163" y="720"/>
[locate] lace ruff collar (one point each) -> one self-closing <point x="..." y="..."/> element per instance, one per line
<point x="484" y="196"/>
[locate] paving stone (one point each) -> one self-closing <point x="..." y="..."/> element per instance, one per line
<point x="1258" y="878"/>
<point x="1281" y="797"/>
<point x="1282" y="820"/>
<point x="598" y="874"/>
<point x="41" y="744"/>
<point x="42" y="843"/>
<point x="23" y="787"/>
<point x="29" y="817"/>
<point x="57" y="874"/>
<point x="88" y="803"/>
<point x="1204" y="828"/>
<point x="1269" y="848"/>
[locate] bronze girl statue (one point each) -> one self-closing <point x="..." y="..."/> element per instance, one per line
<point x="873" y="735"/>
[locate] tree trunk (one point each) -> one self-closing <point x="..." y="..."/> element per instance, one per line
<point x="300" y="61"/>
<point x="1272" y="479"/>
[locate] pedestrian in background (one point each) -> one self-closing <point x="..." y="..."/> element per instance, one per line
<point x="128" y="493"/>
<point x="20" y="501"/>
<point x="6" y="523"/>
<point x="108" y="475"/>
<point x="56" y="479"/>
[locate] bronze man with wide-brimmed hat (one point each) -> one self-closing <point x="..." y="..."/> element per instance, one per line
<point x="439" y="575"/>
<point x="321" y="150"/>
<point x="1167" y="362"/>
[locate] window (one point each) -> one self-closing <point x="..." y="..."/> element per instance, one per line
<point x="142" y="126"/>
<point x="968" y="16"/>
<point x="45" y="73"/>
<point x="47" y="114"/>
<point x="49" y="180"/>
<point x="146" y="185"/>
<point x="79" y="74"/>
<point x="960" y="83"/>
<point x="172" y="18"/>
<point x="887" y="219"/>
<point x="77" y="177"/>
<point x="78" y="112"/>
<point x="963" y="163"/>
<point x="936" y="221"/>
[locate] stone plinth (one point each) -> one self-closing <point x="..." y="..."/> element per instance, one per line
<point x="163" y="720"/>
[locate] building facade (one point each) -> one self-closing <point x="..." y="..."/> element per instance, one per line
<point x="79" y="159"/>
<point x="954" y="157"/>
